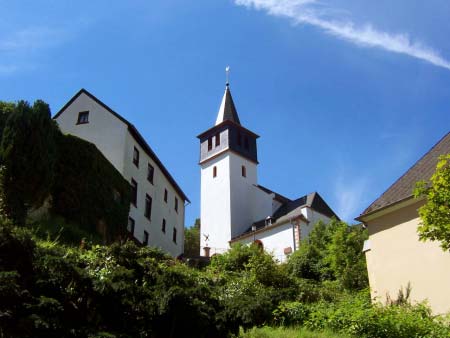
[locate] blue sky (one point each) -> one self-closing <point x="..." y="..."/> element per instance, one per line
<point x="346" y="95"/>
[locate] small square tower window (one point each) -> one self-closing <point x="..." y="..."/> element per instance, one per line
<point x="136" y="157"/>
<point x="83" y="117"/>
<point x="217" y="139"/>
<point x="244" y="171"/>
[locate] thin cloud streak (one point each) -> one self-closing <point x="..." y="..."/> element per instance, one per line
<point x="307" y="12"/>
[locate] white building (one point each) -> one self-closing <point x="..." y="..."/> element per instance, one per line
<point x="157" y="210"/>
<point x="234" y="208"/>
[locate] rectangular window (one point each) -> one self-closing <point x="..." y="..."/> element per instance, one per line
<point x="239" y="139"/>
<point x="130" y="226"/>
<point x="209" y="143"/>
<point x="150" y="173"/>
<point x="176" y="204"/>
<point x="145" y="240"/>
<point x="214" y="171"/>
<point x="83" y="117"/>
<point x="134" y="190"/>
<point x="217" y="139"/>
<point x="244" y="171"/>
<point x="174" y="235"/>
<point x="136" y="157"/>
<point x="165" y="195"/>
<point x="246" y="145"/>
<point x="163" y="226"/>
<point x="148" y="207"/>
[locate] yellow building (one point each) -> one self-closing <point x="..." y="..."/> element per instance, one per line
<point x="394" y="254"/>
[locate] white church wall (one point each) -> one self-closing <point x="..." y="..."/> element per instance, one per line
<point x="275" y="240"/>
<point x="160" y="209"/>
<point x="242" y="193"/>
<point x="262" y="204"/>
<point x="104" y="130"/>
<point x="215" y="207"/>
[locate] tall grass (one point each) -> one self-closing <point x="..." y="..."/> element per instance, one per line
<point x="283" y="332"/>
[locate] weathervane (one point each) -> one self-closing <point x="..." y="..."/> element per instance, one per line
<point x="227" y="72"/>
<point x="206" y="239"/>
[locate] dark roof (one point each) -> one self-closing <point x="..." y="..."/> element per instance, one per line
<point x="278" y="197"/>
<point x="133" y="131"/>
<point x="423" y="169"/>
<point x="230" y="112"/>
<point x="292" y="209"/>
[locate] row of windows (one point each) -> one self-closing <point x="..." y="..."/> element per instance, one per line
<point x="132" y="223"/>
<point x="148" y="199"/>
<point x="243" y="171"/>
<point x="217" y="141"/>
<point x="150" y="168"/>
<point x="150" y="175"/>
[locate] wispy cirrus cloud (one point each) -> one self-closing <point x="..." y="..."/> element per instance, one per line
<point x="30" y="39"/>
<point x="327" y="18"/>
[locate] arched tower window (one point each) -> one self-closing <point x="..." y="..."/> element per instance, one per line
<point x="214" y="171"/>
<point x="244" y="171"/>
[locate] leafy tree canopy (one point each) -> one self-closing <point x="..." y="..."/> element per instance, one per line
<point x="192" y="240"/>
<point x="435" y="213"/>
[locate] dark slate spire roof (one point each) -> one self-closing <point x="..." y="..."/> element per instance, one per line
<point x="227" y="110"/>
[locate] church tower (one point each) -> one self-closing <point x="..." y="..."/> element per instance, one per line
<point x="228" y="161"/>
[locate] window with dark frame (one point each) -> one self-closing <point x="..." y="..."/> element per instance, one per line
<point x="176" y="204"/>
<point x="163" y="226"/>
<point x="217" y="139"/>
<point x="83" y="117"/>
<point x="209" y="143"/>
<point x="244" y="171"/>
<point x="145" y="241"/>
<point x="130" y="226"/>
<point x="174" y="235"/>
<point x="214" y="171"/>
<point x="165" y="195"/>
<point x="134" y="189"/>
<point x="150" y="173"/>
<point x="136" y="157"/>
<point x="148" y="207"/>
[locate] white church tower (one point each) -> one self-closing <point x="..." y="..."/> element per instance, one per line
<point x="228" y="160"/>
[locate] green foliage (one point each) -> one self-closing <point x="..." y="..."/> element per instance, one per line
<point x="192" y="240"/>
<point x="28" y="157"/>
<point x="283" y="332"/>
<point x="435" y="214"/>
<point x="88" y="189"/>
<point x="332" y="251"/>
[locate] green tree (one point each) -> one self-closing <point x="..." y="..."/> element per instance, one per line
<point x="435" y="213"/>
<point x="332" y="251"/>
<point x="28" y="156"/>
<point x="192" y="240"/>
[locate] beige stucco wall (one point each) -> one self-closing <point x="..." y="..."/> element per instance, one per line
<point x="397" y="257"/>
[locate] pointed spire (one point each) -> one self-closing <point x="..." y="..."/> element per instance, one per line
<point x="227" y="110"/>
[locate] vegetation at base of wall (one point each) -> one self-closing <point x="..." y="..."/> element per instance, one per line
<point x="48" y="289"/>
<point x="39" y="163"/>
<point x="435" y="213"/>
<point x="88" y="189"/>
<point x="291" y="332"/>
<point x="27" y="156"/>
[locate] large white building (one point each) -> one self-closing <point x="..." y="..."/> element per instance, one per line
<point x="157" y="202"/>
<point x="234" y="207"/>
